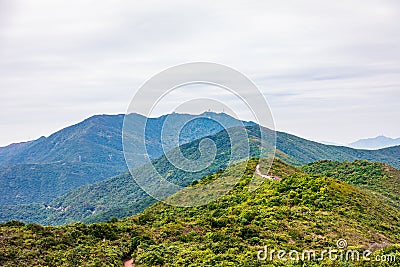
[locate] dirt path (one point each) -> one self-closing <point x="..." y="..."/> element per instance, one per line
<point x="129" y="263"/>
<point x="258" y="172"/>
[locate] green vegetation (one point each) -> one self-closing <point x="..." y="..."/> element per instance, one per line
<point x="88" y="152"/>
<point x="38" y="171"/>
<point x="30" y="183"/>
<point x="120" y="196"/>
<point x="66" y="177"/>
<point x="92" y="140"/>
<point x="377" y="178"/>
<point x="302" y="211"/>
<point x="298" y="151"/>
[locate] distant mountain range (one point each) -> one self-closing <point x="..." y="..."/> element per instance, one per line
<point x="88" y="152"/>
<point x="71" y="184"/>
<point x="375" y="143"/>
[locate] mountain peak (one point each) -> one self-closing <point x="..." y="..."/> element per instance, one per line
<point x="378" y="142"/>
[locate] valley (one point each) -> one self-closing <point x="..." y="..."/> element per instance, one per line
<point x="81" y="211"/>
<point x="301" y="211"/>
<point x="91" y="189"/>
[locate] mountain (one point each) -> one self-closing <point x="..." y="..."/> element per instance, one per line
<point x="381" y="180"/>
<point x="72" y="163"/>
<point x="98" y="139"/>
<point x="89" y="152"/>
<point x="375" y="143"/>
<point x="94" y="140"/>
<point x="40" y="170"/>
<point x="120" y="196"/>
<point x="13" y="149"/>
<point x="299" y="212"/>
<point x="300" y="151"/>
<point x="42" y="182"/>
<point x="330" y="143"/>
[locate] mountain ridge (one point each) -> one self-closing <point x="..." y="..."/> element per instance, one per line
<point x="100" y="138"/>
<point x="374" y="143"/>
<point x="102" y="200"/>
<point x="93" y="146"/>
<point x="301" y="211"/>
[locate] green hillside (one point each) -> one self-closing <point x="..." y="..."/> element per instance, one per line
<point x="63" y="178"/>
<point x="301" y="211"/>
<point x="301" y="151"/>
<point x="27" y="183"/>
<point x="38" y="171"/>
<point x="95" y="140"/>
<point x="120" y="196"/>
<point x="379" y="179"/>
<point x="12" y="149"/>
<point x="98" y="139"/>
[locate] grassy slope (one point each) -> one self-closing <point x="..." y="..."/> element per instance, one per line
<point x="300" y="211"/>
<point x="379" y="179"/>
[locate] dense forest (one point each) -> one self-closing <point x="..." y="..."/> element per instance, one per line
<point x="300" y="211"/>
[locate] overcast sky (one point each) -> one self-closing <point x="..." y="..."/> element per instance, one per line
<point x="329" y="69"/>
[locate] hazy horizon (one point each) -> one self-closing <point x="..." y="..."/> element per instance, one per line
<point x="191" y="113"/>
<point x="328" y="71"/>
